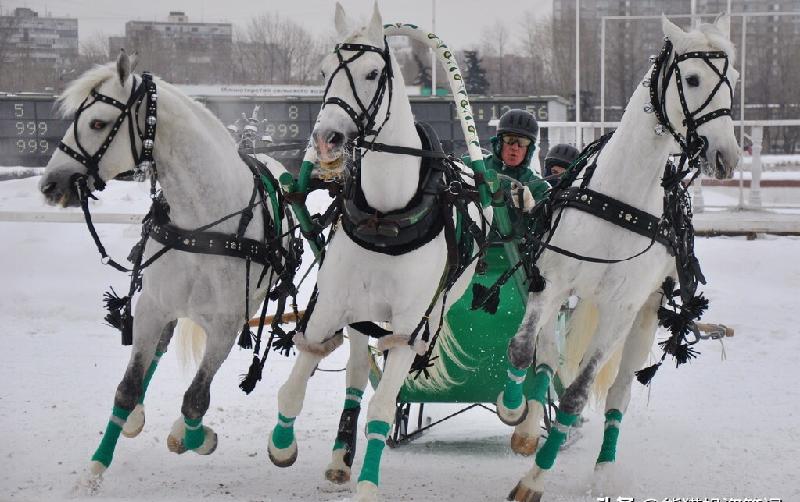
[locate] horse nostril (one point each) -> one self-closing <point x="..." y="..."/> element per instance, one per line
<point x="335" y="138"/>
<point x="49" y="187"/>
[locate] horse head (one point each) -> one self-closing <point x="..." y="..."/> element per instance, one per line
<point x="695" y="86"/>
<point x="91" y="150"/>
<point x="358" y="87"/>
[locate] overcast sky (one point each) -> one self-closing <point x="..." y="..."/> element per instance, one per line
<point x="458" y="22"/>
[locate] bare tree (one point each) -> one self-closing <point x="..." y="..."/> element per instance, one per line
<point x="273" y="49"/>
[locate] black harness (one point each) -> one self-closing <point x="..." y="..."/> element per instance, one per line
<point x="143" y="159"/>
<point x="403" y="230"/>
<point x="364" y="118"/>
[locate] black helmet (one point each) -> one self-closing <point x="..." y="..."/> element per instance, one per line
<point x="519" y="122"/>
<point x="560" y="155"/>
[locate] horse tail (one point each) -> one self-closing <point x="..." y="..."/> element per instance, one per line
<point x="191" y="342"/>
<point x="580" y="331"/>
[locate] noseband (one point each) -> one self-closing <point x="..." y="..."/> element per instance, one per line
<point x="692" y="144"/>
<point x="364" y="119"/>
<point x="143" y="160"/>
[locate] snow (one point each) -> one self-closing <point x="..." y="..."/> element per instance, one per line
<point x="713" y="428"/>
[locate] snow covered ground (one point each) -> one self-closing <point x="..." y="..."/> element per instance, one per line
<point x="714" y="428"/>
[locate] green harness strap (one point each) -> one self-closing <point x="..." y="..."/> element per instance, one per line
<point x="273" y="198"/>
<point x="608" y="452"/>
<point x="377" y="432"/>
<point x="149" y="375"/>
<point x="105" y="451"/>
<point x="283" y="433"/>
<point x="546" y="456"/>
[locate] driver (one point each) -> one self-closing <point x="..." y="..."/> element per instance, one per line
<point x="512" y="151"/>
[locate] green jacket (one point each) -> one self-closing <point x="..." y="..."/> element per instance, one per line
<point x="523" y="174"/>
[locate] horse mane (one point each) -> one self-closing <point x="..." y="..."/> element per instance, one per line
<point x="708" y="34"/>
<point x="77" y="90"/>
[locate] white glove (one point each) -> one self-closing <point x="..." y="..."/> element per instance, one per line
<point x="522" y="193"/>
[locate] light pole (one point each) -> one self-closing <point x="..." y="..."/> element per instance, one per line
<point x="578" y="139"/>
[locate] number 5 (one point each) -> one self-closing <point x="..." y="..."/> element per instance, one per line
<point x="19" y="109"/>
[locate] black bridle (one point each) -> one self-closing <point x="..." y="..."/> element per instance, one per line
<point x="364" y="119"/>
<point x="692" y="144"/>
<point x="146" y="93"/>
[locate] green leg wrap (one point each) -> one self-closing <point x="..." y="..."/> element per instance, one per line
<point x="352" y="401"/>
<point x="541" y="382"/>
<point x="608" y="452"/>
<point x="283" y="433"/>
<point x="377" y="432"/>
<point x="512" y="393"/>
<point x="149" y="375"/>
<point x="193" y="433"/>
<point x="546" y="456"/>
<point x="105" y="452"/>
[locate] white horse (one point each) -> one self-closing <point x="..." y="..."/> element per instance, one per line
<point x="356" y="284"/>
<point x="626" y="295"/>
<point x="203" y="179"/>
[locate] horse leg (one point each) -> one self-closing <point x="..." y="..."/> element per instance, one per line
<point x="540" y="311"/>
<point x="135" y="422"/>
<point x="188" y="432"/>
<point x="531" y="487"/>
<point x="322" y="336"/>
<point x="526" y="434"/>
<point x="344" y="448"/>
<point x="634" y="354"/>
<point x="149" y="323"/>
<point x="380" y="415"/>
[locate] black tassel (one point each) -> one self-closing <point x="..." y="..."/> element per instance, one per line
<point x="283" y="341"/>
<point x="683" y="353"/>
<point x="695" y="307"/>
<point x="537" y="283"/>
<point x="253" y="376"/>
<point x="127" y="330"/>
<point x="115" y="306"/>
<point x="487" y="299"/>
<point x="644" y="375"/>
<point x="246" y="337"/>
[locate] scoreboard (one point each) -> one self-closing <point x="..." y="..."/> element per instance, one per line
<point x="30" y="126"/>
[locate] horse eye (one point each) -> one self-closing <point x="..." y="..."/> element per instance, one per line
<point x="372" y="75"/>
<point x="693" y="80"/>
<point x="323" y="74"/>
<point x="97" y="125"/>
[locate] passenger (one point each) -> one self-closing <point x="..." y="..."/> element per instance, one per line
<point x="558" y="159"/>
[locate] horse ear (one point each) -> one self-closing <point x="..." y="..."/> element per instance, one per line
<point x="671" y="30"/>
<point x="723" y="24"/>
<point x="134" y="61"/>
<point x="375" y="27"/>
<point x="340" y="21"/>
<point x="123" y="66"/>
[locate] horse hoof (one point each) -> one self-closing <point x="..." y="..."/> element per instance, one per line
<point x="523" y="444"/>
<point x="282" y="457"/>
<point x="135" y="422"/>
<point x="366" y="491"/>
<point x="175" y="445"/>
<point x="338" y="476"/>
<point x="511" y="417"/>
<point x="90" y="481"/>
<point x="175" y="442"/>
<point x="522" y="493"/>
